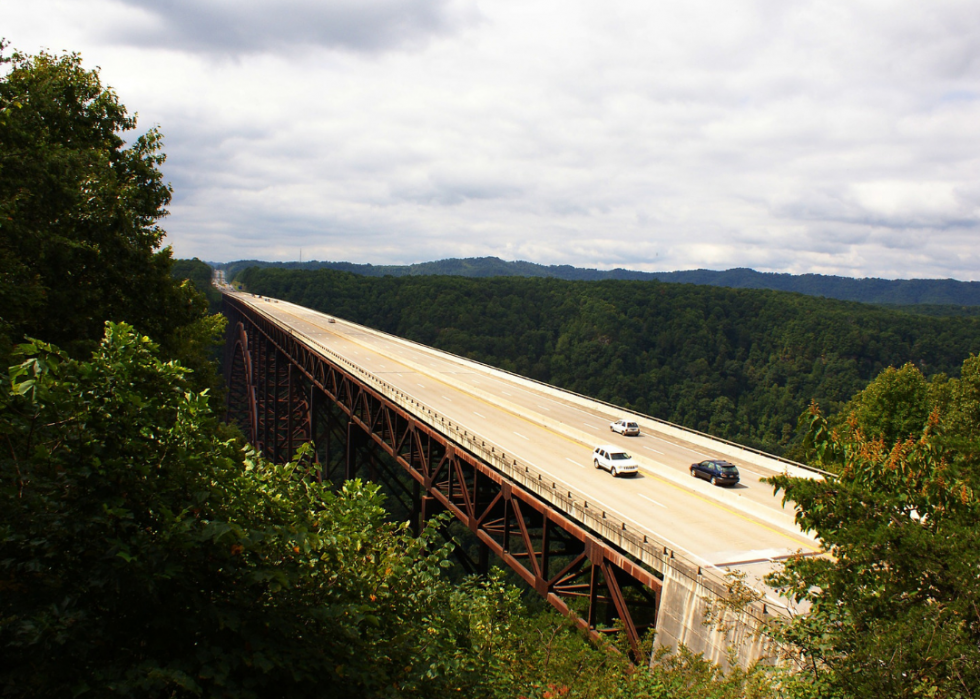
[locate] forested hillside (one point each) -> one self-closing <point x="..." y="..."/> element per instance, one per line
<point x="866" y="290"/>
<point x="938" y="293"/>
<point x="739" y="364"/>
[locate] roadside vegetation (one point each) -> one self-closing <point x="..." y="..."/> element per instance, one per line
<point x="147" y="551"/>
<point x="895" y="611"/>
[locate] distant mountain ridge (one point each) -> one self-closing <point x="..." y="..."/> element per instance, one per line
<point x="905" y="292"/>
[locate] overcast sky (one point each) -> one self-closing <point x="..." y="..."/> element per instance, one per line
<point x="832" y="136"/>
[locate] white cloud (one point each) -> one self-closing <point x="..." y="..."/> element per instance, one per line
<point x="839" y="136"/>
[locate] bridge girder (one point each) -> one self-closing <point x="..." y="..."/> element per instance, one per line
<point x="276" y="383"/>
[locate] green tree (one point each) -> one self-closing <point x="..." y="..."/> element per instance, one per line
<point x="895" y="405"/>
<point x="895" y="607"/>
<point x="898" y="404"/>
<point x="199" y="274"/>
<point x="959" y="403"/>
<point x="80" y="241"/>
<point x="142" y="554"/>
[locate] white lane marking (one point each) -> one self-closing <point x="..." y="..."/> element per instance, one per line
<point x="448" y="398"/>
<point x="652" y="500"/>
<point x="590" y="413"/>
<point x="592" y="426"/>
<point x="653" y="450"/>
<point x="418" y="384"/>
<point x="521" y="436"/>
<point x="478" y="415"/>
<point x="544" y="408"/>
<point x="507" y="394"/>
<point x="574" y="462"/>
<point x="681" y="446"/>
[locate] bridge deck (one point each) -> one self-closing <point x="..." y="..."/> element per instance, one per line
<point x="744" y="527"/>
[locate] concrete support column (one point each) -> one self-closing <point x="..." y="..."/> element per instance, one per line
<point x="683" y="604"/>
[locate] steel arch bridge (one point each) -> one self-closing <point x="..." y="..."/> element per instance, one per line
<point x="283" y="392"/>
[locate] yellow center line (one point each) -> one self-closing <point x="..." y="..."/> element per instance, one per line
<point x="454" y="387"/>
<point x="571" y="440"/>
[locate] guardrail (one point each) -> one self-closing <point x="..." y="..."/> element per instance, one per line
<point x="642" y="545"/>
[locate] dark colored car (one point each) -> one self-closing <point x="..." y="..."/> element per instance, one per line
<point x="717" y="471"/>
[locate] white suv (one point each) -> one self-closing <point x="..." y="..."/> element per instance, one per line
<point x="614" y="460"/>
<point x="626" y="427"/>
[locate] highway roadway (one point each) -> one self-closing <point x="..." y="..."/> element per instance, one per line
<point x="745" y="527"/>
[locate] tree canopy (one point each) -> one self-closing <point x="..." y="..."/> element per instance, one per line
<point x="159" y="560"/>
<point x="199" y="274"/>
<point x="80" y="240"/>
<point x="894" y="609"/>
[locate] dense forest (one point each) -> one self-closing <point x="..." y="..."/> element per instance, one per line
<point x="738" y="364"/>
<point x="938" y="293"/>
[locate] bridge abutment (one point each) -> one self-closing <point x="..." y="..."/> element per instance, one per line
<point x="693" y="614"/>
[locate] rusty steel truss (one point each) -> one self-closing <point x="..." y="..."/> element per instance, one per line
<point x="283" y="392"/>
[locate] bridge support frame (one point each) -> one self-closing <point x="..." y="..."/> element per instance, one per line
<point x="277" y="388"/>
<point x="586" y="567"/>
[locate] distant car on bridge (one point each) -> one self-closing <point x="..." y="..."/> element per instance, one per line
<point x="614" y="460"/>
<point x="718" y="471"/>
<point x="626" y="427"/>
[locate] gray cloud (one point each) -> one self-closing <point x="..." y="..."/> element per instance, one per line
<point x="454" y="187"/>
<point x="253" y="26"/>
<point x="911" y="206"/>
